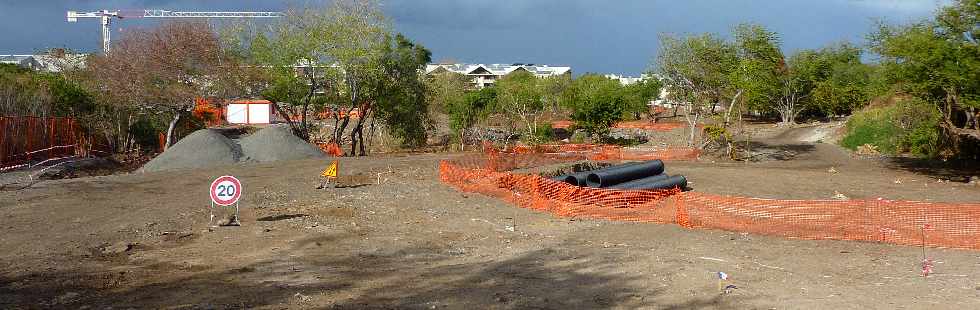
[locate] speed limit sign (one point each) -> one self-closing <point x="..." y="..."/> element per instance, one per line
<point x="225" y="191"/>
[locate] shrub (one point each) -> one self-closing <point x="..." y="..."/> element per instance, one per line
<point x="907" y="126"/>
<point x="596" y="102"/>
<point x="875" y="127"/>
<point x="544" y="132"/>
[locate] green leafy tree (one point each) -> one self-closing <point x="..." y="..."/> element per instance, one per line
<point x="597" y="102"/>
<point x="445" y="90"/>
<point x="473" y="107"/>
<point x="754" y="75"/>
<point x="347" y="59"/>
<point x="639" y="95"/>
<point x="519" y="97"/>
<point x="938" y="62"/>
<point x="846" y="84"/>
<point x="400" y="92"/>
<point x="753" y="81"/>
<point x="696" y="74"/>
<point x="552" y="89"/>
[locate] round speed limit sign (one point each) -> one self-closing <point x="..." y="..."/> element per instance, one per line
<point x="226" y="190"/>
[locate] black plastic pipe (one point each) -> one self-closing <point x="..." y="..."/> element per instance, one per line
<point x="624" y="173"/>
<point x="678" y="181"/>
<point x="640" y="182"/>
<point x="567" y="178"/>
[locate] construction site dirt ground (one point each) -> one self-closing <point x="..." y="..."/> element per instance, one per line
<point x="142" y="240"/>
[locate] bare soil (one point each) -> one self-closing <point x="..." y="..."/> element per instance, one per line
<point x="142" y="240"/>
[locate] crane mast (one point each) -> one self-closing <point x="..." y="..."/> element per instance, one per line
<point x="106" y="17"/>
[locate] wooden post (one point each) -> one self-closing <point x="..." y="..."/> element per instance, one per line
<point x="51" y="136"/>
<point x="30" y="136"/>
<point x="3" y="141"/>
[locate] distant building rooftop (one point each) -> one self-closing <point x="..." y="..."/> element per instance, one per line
<point x="50" y="62"/>
<point x="487" y="74"/>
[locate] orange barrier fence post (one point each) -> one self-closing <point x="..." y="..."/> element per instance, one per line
<point x="30" y="137"/>
<point x="3" y="140"/>
<point x="50" y="143"/>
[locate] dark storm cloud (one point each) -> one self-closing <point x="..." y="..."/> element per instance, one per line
<point x="589" y="35"/>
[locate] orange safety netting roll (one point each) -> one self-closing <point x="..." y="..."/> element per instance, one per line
<point x="951" y="225"/>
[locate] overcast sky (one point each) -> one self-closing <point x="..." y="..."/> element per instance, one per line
<point x="588" y="35"/>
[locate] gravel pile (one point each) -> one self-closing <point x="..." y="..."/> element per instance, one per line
<point x="203" y="148"/>
<point x="275" y="143"/>
<point x="209" y="148"/>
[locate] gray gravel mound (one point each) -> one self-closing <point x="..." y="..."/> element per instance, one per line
<point x="203" y="148"/>
<point x="209" y="148"/>
<point x="275" y="143"/>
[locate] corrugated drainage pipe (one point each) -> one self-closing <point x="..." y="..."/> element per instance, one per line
<point x="624" y="173"/>
<point x="639" y="182"/>
<point x="678" y="181"/>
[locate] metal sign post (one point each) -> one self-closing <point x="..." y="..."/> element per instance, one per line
<point x="225" y="191"/>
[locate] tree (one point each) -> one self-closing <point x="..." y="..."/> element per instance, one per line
<point x="519" y="97"/>
<point x="445" y="90"/>
<point x="400" y="93"/>
<point x="938" y="62"/>
<point x="754" y="76"/>
<point x="597" y="102"/>
<point x="797" y="81"/>
<point x="473" y="107"/>
<point x="639" y="94"/>
<point x="302" y="60"/>
<point x="552" y="89"/>
<point x="845" y="86"/>
<point x="162" y="69"/>
<point x="695" y="71"/>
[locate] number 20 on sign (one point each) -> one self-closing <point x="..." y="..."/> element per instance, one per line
<point x="225" y="191"/>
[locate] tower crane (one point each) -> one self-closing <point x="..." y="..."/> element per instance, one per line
<point x="106" y="17"/>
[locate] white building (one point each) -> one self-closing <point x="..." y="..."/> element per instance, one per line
<point x="627" y="80"/>
<point x="55" y="61"/>
<point x="485" y="75"/>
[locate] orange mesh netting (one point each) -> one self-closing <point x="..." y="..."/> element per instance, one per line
<point x="330" y="148"/>
<point x="553" y="153"/>
<point x="952" y="225"/>
<point x="641" y="124"/>
<point x="27" y="139"/>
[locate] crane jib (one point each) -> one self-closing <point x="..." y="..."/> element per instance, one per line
<point x="106" y="17"/>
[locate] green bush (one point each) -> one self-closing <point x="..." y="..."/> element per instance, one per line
<point x="908" y="126"/>
<point x="544" y="132"/>
<point x="596" y="103"/>
<point x="875" y="127"/>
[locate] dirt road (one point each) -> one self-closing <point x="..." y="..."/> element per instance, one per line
<point x="141" y="240"/>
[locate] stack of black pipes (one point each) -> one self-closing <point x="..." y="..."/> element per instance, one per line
<point x="646" y="175"/>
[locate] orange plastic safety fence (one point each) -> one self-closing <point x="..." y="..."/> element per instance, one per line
<point x="641" y="124"/>
<point x="534" y="192"/>
<point x="951" y="225"/>
<point x="209" y="113"/>
<point x="28" y="139"/>
<point x="555" y="153"/>
<point x="330" y="148"/>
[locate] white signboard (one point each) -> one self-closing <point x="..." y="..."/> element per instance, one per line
<point x="258" y="113"/>
<point x="237" y="114"/>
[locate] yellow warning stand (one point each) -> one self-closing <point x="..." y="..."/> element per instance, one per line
<point x="331" y="171"/>
<point x="329" y="174"/>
